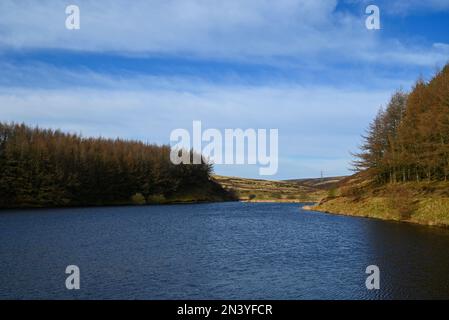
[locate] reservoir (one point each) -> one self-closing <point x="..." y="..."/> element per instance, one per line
<point x="217" y="251"/>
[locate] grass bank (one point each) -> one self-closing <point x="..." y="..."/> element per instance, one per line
<point x="425" y="203"/>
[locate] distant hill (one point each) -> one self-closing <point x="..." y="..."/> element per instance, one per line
<point x="297" y="190"/>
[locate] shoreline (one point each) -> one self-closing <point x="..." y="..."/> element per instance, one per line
<point x="385" y="215"/>
<point x="167" y="203"/>
<point x="112" y="205"/>
<point x="274" y="201"/>
<point x="412" y="222"/>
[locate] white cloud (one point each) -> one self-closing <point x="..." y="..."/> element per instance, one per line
<point x="232" y="29"/>
<point x="192" y="26"/>
<point x="443" y="47"/>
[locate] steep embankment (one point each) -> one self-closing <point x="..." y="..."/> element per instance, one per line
<point x="257" y="190"/>
<point x="424" y="203"/>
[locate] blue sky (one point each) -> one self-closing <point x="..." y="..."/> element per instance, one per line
<point x="140" y="69"/>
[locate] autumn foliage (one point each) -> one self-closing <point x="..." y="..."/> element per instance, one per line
<point x="51" y="168"/>
<point x="409" y="140"/>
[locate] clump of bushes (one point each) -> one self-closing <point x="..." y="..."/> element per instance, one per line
<point x="138" y="199"/>
<point x="401" y="198"/>
<point x="354" y="192"/>
<point x="252" y="197"/>
<point x="332" y="193"/>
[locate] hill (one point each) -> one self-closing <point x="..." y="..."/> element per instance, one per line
<point x="327" y="183"/>
<point x="257" y="190"/>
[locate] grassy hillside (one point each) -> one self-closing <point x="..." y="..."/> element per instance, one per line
<point x="416" y="202"/>
<point x="280" y="191"/>
<point x="319" y="183"/>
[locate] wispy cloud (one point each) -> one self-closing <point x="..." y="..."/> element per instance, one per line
<point x="235" y="29"/>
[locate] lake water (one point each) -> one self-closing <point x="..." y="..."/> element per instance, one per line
<point x="217" y="251"/>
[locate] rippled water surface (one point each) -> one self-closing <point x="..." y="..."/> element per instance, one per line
<point x="217" y="251"/>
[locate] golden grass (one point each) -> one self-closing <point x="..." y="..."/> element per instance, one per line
<point x="427" y="207"/>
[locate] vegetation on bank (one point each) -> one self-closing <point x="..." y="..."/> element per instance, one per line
<point x="424" y="202"/>
<point x="403" y="167"/>
<point x="46" y="168"/>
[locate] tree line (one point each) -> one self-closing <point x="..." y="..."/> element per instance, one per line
<point x="42" y="167"/>
<point x="409" y="140"/>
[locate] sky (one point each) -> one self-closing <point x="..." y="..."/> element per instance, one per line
<point x="140" y="69"/>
